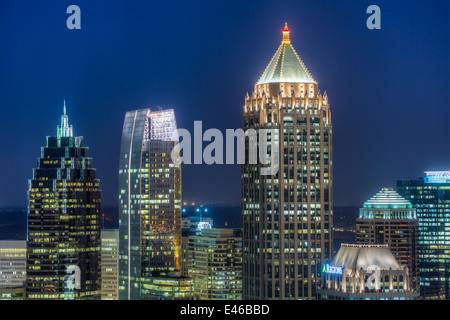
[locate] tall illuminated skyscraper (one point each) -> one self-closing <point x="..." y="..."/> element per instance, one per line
<point x="287" y="217"/>
<point x="63" y="221"/>
<point x="430" y="196"/>
<point x="149" y="201"/>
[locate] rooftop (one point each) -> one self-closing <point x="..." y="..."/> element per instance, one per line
<point x="161" y="125"/>
<point x="286" y="65"/>
<point x="353" y="256"/>
<point x="65" y="130"/>
<point x="387" y="198"/>
<point x="437" y="177"/>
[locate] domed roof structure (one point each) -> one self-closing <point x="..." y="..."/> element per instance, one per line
<point x="356" y="257"/>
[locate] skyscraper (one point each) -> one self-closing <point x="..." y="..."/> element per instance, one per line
<point x="287" y="216"/>
<point x="387" y="218"/>
<point x="64" y="221"/>
<point x="149" y="200"/>
<point x="431" y="197"/>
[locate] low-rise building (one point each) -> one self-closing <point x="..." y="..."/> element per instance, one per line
<point x="365" y="272"/>
<point x="214" y="262"/>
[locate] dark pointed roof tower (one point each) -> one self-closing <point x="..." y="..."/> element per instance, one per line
<point x="64" y="205"/>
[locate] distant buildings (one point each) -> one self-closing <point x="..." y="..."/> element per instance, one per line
<point x="387" y="218"/>
<point x="197" y="223"/>
<point x="365" y="272"/>
<point x="63" y="257"/>
<point x="149" y="202"/>
<point x="12" y="269"/>
<point x="110" y="264"/>
<point x="215" y="264"/>
<point x="171" y="286"/>
<point x="15" y="293"/>
<point x="287" y="216"/>
<point x="431" y="197"/>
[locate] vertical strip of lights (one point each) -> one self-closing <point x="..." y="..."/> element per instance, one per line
<point x="129" y="207"/>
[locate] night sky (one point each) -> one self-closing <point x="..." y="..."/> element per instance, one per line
<point x="388" y="88"/>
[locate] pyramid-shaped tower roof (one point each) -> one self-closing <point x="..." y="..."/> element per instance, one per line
<point x="387" y="198"/>
<point x="286" y="65"/>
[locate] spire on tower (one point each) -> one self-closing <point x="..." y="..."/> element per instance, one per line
<point x="286" y="65"/>
<point x="65" y="130"/>
<point x="286" y="34"/>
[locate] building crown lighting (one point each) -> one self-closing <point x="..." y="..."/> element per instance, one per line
<point x="437" y="176"/>
<point x="387" y="198"/>
<point x="286" y="32"/>
<point x="64" y="130"/>
<point x="357" y="256"/>
<point x="286" y="65"/>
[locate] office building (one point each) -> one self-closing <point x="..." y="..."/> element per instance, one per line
<point x="14" y="293"/>
<point x="191" y="226"/>
<point x="215" y="264"/>
<point x="430" y="196"/>
<point x="365" y="272"/>
<point x="110" y="264"/>
<point x="195" y="222"/>
<point x="149" y="201"/>
<point x="63" y="254"/>
<point x="13" y="255"/>
<point x="387" y="218"/>
<point x="170" y="286"/>
<point x="13" y="260"/>
<point x="287" y="214"/>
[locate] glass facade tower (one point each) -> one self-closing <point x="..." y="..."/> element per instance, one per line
<point x="63" y="221"/>
<point x="149" y="201"/>
<point x="287" y="216"/>
<point x="431" y="197"/>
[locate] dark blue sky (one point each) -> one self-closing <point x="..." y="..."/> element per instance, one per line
<point x="388" y="88"/>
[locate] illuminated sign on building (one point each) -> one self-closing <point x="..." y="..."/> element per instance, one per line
<point x="204" y="225"/>
<point x="331" y="269"/>
<point x="437" y="177"/>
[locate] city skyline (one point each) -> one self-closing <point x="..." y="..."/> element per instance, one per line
<point x="238" y="151"/>
<point x="107" y="69"/>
